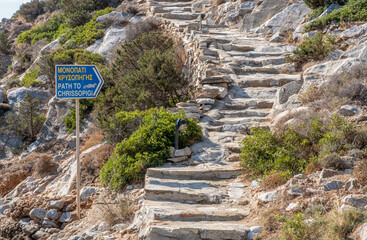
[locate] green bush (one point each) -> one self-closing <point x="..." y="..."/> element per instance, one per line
<point x="78" y="11"/>
<point x="147" y="73"/>
<point x="56" y="27"/>
<point x="30" y="78"/>
<point x="77" y="56"/>
<point x="314" y="4"/>
<point x="290" y="152"/>
<point x="85" y="107"/>
<point x="294" y="228"/>
<point x="147" y="147"/>
<point x="316" y="13"/>
<point x="312" y="49"/>
<point x="28" y="120"/>
<point x="31" y="10"/>
<point x="353" y="10"/>
<point x="264" y="152"/>
<point x="49" y="30"/>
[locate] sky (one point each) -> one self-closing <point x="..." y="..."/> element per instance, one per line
<point x="8" y="7"/>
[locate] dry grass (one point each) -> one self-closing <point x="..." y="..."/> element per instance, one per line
<point x="44" y="165"/>
<point x="273" y="180"/>
<point x="120" y="210"/>
<point x="93" y="162"/>
<point x="332" y="161"/>
<point x="313" y="167"/>
<point x="137" y="29"/>
<point x="94" y="139"/>
<point x="360" y="172"/>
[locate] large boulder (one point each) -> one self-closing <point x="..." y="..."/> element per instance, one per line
<point x="266" y="10"/>
<point x="16" y="96"/>
<point x="115" y="35"/>
<point x="286" y="20"/>
<point x="114" y="18"/>
<point x="359" y="51"/>
<point x="52" y="46"/>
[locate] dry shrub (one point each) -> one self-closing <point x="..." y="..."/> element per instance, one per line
<point x="360" y="172"/>
<point x="332" y="161"/>
<point x="93" y="162"/>
<point x="121" y="210"/>
<point x="10" y="181"/>
<point x="274" y="180"/>
<point x="44" y="166"/>
<point x="93" y="139"/>
<point x="218" y="2"/>
<point x="313" y="167"/>
<point x="137" y="29"/>
<point x="312" y="94"/>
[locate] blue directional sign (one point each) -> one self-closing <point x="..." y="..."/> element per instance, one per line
<point x="77" y="81"/>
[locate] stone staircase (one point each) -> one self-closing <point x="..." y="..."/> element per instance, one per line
<point x="206" y="198"/>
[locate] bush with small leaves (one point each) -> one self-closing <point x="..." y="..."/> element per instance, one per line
<point x="147" y="147"/>
<point x="31" y="10"/>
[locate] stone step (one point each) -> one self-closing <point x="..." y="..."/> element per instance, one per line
<point x="214" y="173"/>
<point x="217" y="79"/>
<point x="169" y="4"/>
<point x="225" y="137"/>
<point x="251" y="103"/>
<point x="160" y="9"/>
<point x="237" y="54"/>
<point x="173" y="211"/>
<point x="260" y="62"/>
<point x="178" y="16"/>
<point x="198" y="230"/>
<point x="233" y="147"/>
<point x="185" y="191"/>
<point x="171" y="1"/>
<point x="265" y="80"/>
<point x="246" y="70"/>
<point x="256" y="93"/>
<point x="248" y="121"/>
<point x="245" y="113"/>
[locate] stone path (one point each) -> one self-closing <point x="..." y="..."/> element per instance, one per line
<point x="237" y="77"/>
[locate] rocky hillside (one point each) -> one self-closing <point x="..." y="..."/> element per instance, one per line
<point x="273" y="93"/>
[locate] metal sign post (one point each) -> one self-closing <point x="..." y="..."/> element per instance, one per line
<point x="77" y="82"/>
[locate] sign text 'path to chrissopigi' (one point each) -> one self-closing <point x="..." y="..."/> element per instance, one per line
<point x="77" y="81"/>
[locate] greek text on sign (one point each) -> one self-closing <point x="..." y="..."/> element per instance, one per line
<point x="77" y="81"/>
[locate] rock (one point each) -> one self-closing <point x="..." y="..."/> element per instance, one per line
<point x="325" y="173"/>
<point x="181" y="152"/>
<point x="362" y="232"/>
<point x="206" y="93"/>
<point x="205" y="101"/>
<point x="358" y="201"/>
<point x="348" y="161"/>
<point x="330" y="9"/>
<point x="268" y="196"/>
<point x="254" y="231"/>
<point x="354" y="32"/>
<point x="300" y="176"/>
<point x="349" y="110"/>
<point x="88" y="191"/>
<point x="288" y="90"/>
<point x="266" y="10"/>
<point x="114" y="18"/>
<point x="66" y="217"/>
<point x="30" y="228"/>
<point x="3" y="208"/>
<point x="344" y="208"/>
<point x="292" y="206"/>
<point x="49" y="224"/>
<point x="352" y="184"/>
<point x="359" y="52"/>
<point x="286" y="20"/>
<point x="332" y="67"/>
<point x="52" y="46"/>
<point x="295" y="192"/>
<point x="89" y="235"/>
<point x="40" y="235"/>
<point x="255" y="183"/>
<point x="334" y="55"/>
<point x="113" y="38"/>
<point x="53" y="214"/>
<point x="333" y="185"/>
<point x="37" y="213"/>
<point x="276" y="38"/>
<point x="16" y="96"/>
<point x="222" y="92"/>
<point x="58" y="204"/>
<point x="178" y="159"/>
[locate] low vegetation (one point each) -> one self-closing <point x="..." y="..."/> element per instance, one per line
<point x="353" y="10"/>
<point x="146" y="74"/>
<point x="146" y="147"/>
<point x="294" y="150"/>
<point x="4" y="44"/>
<point x="332" y="225"/>
<point x="28" y="119"/>
<point x="314" y="4"/>
<point x="312" y="49"/>
<point x="30" y="77"/>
